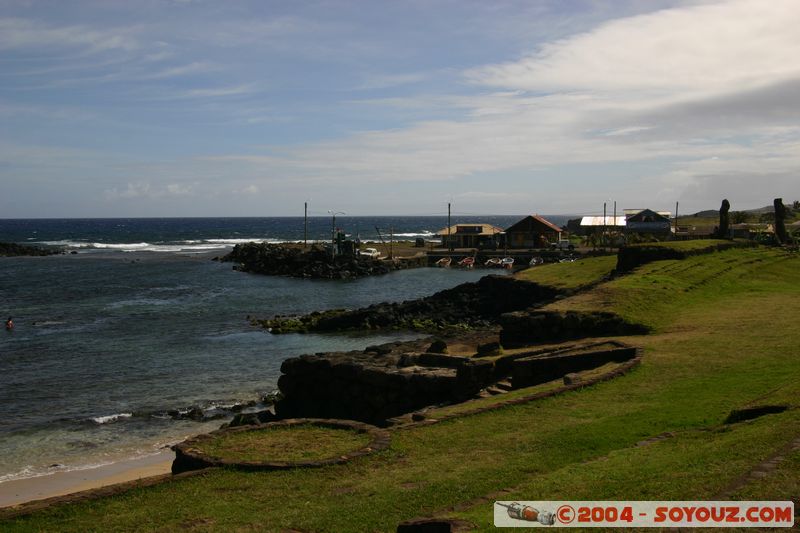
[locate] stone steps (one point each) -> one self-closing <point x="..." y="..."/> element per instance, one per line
<point x="505" y="385"/>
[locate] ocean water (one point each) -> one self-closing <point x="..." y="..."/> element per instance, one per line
<point x="113" y="345"/>
<point x="198" y="235"/>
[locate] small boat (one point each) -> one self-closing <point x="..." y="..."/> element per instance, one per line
<point x="507" y="262"/>
<point x="493" y="262"/>
<point x="536" y="261"/>
<point x="568" y="259"/>
<point x="443" y="262"/>
<point x="467" y="262"/>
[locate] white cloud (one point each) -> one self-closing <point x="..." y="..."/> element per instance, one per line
<point x="699" y="50"/>
<point x="655" y="96"/>
<point x="662" y="88"/>
<point x="247" y="190"/>
<point x="143" y="189"/>
<point x="196" y="67"/>
<point x="132" y="190"/>
<point x="177" y="189"/>
<point x="23" y="33"/>
<point x="383" y="81"/>
<point x="216" y="92"/>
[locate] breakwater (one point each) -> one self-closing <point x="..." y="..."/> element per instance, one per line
<point x="316" y="263"/>
<point x="467" y="306"/>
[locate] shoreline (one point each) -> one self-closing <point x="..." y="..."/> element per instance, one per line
<point x="19" y="491"/>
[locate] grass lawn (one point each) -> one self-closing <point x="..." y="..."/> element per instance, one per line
<point x="284" y="444"/>
<point x="725" y="337"/>
<point x="570" y="275"/>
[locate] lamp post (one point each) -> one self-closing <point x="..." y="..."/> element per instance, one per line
<point x="333" y="230"/>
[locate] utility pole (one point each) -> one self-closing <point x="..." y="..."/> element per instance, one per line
<point x="605" y="222"/>
<point x="305" y="225"/>
<point x="614" y="222"/>
<point x="449" y="240"/>
<point x="333" y="230"/>
<point x="676" y="219"/>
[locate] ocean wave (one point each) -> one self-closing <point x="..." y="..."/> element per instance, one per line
<point x="122" y="246"/>
<point x="108" y="419"/>
<point x="423" y="234"/>
<point x="240" y="241"/>
<point x="31" y="472"/>
<point x="182" y="246"/>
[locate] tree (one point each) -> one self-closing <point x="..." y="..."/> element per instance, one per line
<point x="766" y="218"/>
<point x="739" y="217"/>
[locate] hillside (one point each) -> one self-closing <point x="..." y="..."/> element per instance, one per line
<point x="723" y="338"/>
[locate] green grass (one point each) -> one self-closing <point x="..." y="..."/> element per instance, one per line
<point x="570" y="275"/>
<point x="284" y="444"/>
<point x="472" y="405"/>
<point x="684" y="246"/>
<point x="725" y="337"/>
<point x="696" y="463"/>
<point x="782" y="484"/>
<point x="662" y="291"/>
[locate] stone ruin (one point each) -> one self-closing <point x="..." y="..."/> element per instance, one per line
<point x="372" y="386"/>
<point x="378" y="384"/>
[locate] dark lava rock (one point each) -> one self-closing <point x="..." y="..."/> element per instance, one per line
<point x="252" y="419"/>
<point x="10" y="249"/>
<point x="489" y="349"/>
<point x="467" y="306"/>
<point x="438" y="346"/>
<point x="749" y="413"/>
<point x="316" y="263"/>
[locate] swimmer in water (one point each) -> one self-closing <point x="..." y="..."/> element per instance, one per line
<point x="9" y="324"/>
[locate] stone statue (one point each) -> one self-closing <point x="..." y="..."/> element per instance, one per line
<point x="724" y="219"/>
<point x="780" y="218"/>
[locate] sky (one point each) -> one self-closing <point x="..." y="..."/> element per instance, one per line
<point x="251" y="108"/>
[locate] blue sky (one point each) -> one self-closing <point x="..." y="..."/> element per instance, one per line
<point x="250" y="108"/>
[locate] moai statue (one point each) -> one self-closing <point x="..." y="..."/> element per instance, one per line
<point x="724" y="219"/>
<point x="780" y="221"/>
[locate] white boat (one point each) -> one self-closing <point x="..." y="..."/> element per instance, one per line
<point x="536" y="261"/>
<point x="507" y="262"/>
<point x="443" y="262"/>
<point x="493" y="262"/>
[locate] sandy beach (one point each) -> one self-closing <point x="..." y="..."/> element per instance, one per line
<point x="20" y="491"/>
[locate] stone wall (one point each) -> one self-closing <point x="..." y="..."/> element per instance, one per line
<point x="372" y="387"/>
<point x="529" y="371"/>
<point x="524" y="328"/>
<point x="630" y="257"/>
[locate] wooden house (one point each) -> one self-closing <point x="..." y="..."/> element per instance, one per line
<point x="471" y="235"/>
<point x="647" y="221"/>
<point x="532" y="231"/>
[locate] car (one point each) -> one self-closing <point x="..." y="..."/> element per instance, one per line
<point x="369" y="252"/>
<point x="563" y="244"/>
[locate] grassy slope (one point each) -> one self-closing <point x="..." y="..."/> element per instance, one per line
<point x="725" y="337"/>
<point x="570" y="275"/>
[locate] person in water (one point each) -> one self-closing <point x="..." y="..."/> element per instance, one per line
<point x="9" y="324"/>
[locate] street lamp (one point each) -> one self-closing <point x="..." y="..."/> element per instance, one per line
<point x="333" y="230"/>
